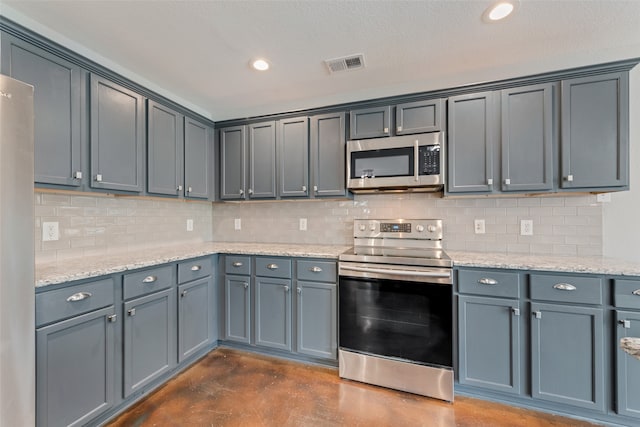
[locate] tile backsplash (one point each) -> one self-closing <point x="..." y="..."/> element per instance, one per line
<point x="93" y="224"/>
<point x="561" y="225"/>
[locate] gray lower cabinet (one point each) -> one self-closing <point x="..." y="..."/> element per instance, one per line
<point x="194" y="320"/>
<point x="316" y="320"/>
<point x="293" y="157"/>
<point x="237" y="308"/>
<point x="273" y="313"/>
<point x="627" y="366"/>
<point x="198" y="160"/>
<point x="489" y="343"/>
<point x="165" y="150"/>
<point x="58" y="152"/>
<point x="567" y="355"/>
<point x="595" y="132"/>
<point x="117" y="137"/>
<point x="149" y="339"/>
<point x="328" y="158"/>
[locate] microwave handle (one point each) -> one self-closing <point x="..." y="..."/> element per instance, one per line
<point x="416" y="161"/>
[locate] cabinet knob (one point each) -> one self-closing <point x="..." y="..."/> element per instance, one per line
<point x="183" y="294"/>
<point x="315" y="188"/>
<point x="564" y="287"/>
<point x="489" y="181"/>
<point x="189" y="189"/>
<point x="250" y="191"/>
<point x="112" y="318"/>
<point x="515" y="311"/>
<point x="179" y="188"/>
<point x="569" y="178"/>
<point x="538" y="314"/>
<point x="77" y="175"/>
<point x="304" y="188"/>
<point x="507" y="181"/>
<point x="196" y="268"/>
<point x="636" y="292"/>
<point x="272" y="266"/>
<point x="149" y="279"/>
<point x="99" y="178"/>
<point x="242" y="192"/>
<point x="79" y="296"/>
<point x="246" y="285"/>
<point x="299" y="290"/>
<point x="236" y="264"/>
<point x="132" y="312"/>
<point x="487" y="281"/>
<point x="286" y="288"/>
<point x="386" y="130"/>
<point x="625" y="323"/>
<point x="315" y="269"/>
<point x="399" y="129"/>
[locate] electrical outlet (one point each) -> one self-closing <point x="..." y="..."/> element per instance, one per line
<point x="237" y="224"/>
<point x="526" y="227"/>
<point x="189" y="225"/>
<point x="478" y="226"/>
<point x="603" y="197"/>
<point x="50" y="231"/>
<point x="303" y="224"/>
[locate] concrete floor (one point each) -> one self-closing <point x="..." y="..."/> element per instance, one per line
<point x="234" y="388"/>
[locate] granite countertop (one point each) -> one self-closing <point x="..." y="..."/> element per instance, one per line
<point x="51" y="273"/>
<point x="631" y="346"/>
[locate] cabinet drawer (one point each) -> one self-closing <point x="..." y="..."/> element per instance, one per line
<point x="147" y="281"/>
<point x="234" y="264"/>
<point x="318" y="271"/>
<point x="73" y="300"/>
<point x="273" y="267"/>
<point x="194" y="269"/>
<point x="573" y="289"/>
<point x="626" y="293"/>
<point x="499" y="284"/>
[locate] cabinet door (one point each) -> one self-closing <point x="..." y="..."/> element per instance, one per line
<point x="567" y="355"/>
<point x="232" y="162"/>
<point x="164" y="150"/>
<point x="198" y="163"/>
<point x="57" y="83"/>
<point x="149" y="339"/>
<point x="237" y="313"/>
<point x="117" y="129"/>
<point x="489" y="343"/>
<point x="316" y="319"/>
<point x="193" y="317"/>
<point x="293" y="157"/>
<point x="262" y="160"/>
<point x="328" y="148"/>
<point x="419" y="117"/>
<point x="595" y="131"/>
<point x="370" y="122"/>
<point x="627" y="366"/>
<point x="273" y="313"/>
<point x="75" y="369"/>
<point x="527" y="132"/>
<point x="471" y="143"/>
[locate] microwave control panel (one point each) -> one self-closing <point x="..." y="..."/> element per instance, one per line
<point x="429" y="161"/>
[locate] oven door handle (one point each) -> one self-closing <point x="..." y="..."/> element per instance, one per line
<point x="396" y="272"/>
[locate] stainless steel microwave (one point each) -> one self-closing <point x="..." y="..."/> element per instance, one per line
<point x="400" y="163"/>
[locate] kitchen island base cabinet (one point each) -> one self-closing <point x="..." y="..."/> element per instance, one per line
<point x="75" y="369"/>
<point x="628" y="367"/>
<point x="273" y="313"/>
<point x="237" y="309"/>
<point x="317" y="319"/>
<point x="567" y="364"/>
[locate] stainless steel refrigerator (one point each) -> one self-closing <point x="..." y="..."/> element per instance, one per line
<point x="17" y="286"/>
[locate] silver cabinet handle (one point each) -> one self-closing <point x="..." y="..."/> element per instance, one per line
<point x="246" y="285"/>
<point x="179" y="188"/>
<point x="272" y="266"/>
<point x="189" y="190"/>
<point x="184" y="293"/>
<point x="569" y="178"/>
<point x="237" y="264"/>
<point x="99" y="178"/>
<point x="386" y="130"/>
<point x="112" y="318"/>
<point x="304" y="188"/>
<point x="487" y="281"/>
<point x="538" y="314"/>
<point x="625" y="323"/>
<point x="489" y="181"/>
<point x="250" y="191"/>
<point x="196" y="268"/>
<point x="507" y="181"/>
<point x="77" y="175"/>
<point x="515" y="311"/>
<point x="286" y="288"/>
<point x="564" y="287"/>
<point x="399" y="129"/>
<point x="636" y="292"/>
<point x="315" y="269"/>
<point x="315" y="188"/>
<point x="299" y="290"/>
<point x="149" y="279"/>
<point x="79" y="296"/>
<point x="132" y="312"/>
<point x="242" y="192"/>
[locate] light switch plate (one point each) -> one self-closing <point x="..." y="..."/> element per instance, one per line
<point x="189" y="225"/>
<point x="303" y="224"/>
<point x="237" y="224"/>
<point x="50" y="231"/>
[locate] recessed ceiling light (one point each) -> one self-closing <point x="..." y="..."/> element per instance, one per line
<point x="260" y="64"/>
<point x="499" y="10"/>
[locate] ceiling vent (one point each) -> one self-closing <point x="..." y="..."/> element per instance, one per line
<point x="346" y="63"/>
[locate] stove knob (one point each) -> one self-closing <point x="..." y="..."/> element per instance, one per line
<point x="431" y="228"/>
<point x="363" y="227"/>
<point x="419" y="228"/>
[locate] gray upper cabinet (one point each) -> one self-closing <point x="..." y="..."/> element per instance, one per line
<point x="419" y="117"/>
<point x="164" y="150"/>
<point x="370" y="122"/>
<point x="262" y="160"/>
<point x="627" y="366"/>
<point x="198" y="160"/>
<point x="327" y="160"/>
<point x="117" y="137"/>
<point x="471" y="144"/>
<point x="293" y="157"/>
<point x="577" y="380"/>
<point x="233" y="152"/>
<point x="595" y="132"/>
<point x="57" y="83"/>
<point x="527" y="136"/>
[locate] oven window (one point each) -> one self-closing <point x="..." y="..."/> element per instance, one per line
<point x="382" y="163"/>
<point x="406" y="320"/>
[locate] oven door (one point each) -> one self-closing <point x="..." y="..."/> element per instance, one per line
<point x="406" y="320"/>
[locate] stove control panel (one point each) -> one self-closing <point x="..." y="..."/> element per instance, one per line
<point x="422" y="229"/>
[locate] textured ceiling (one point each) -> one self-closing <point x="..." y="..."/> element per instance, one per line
<point x="199" y="51"/>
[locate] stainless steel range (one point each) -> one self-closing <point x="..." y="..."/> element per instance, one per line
<point x="395" y="305"/>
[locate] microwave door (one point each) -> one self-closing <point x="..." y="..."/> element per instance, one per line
<point x="386" y="163"/>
